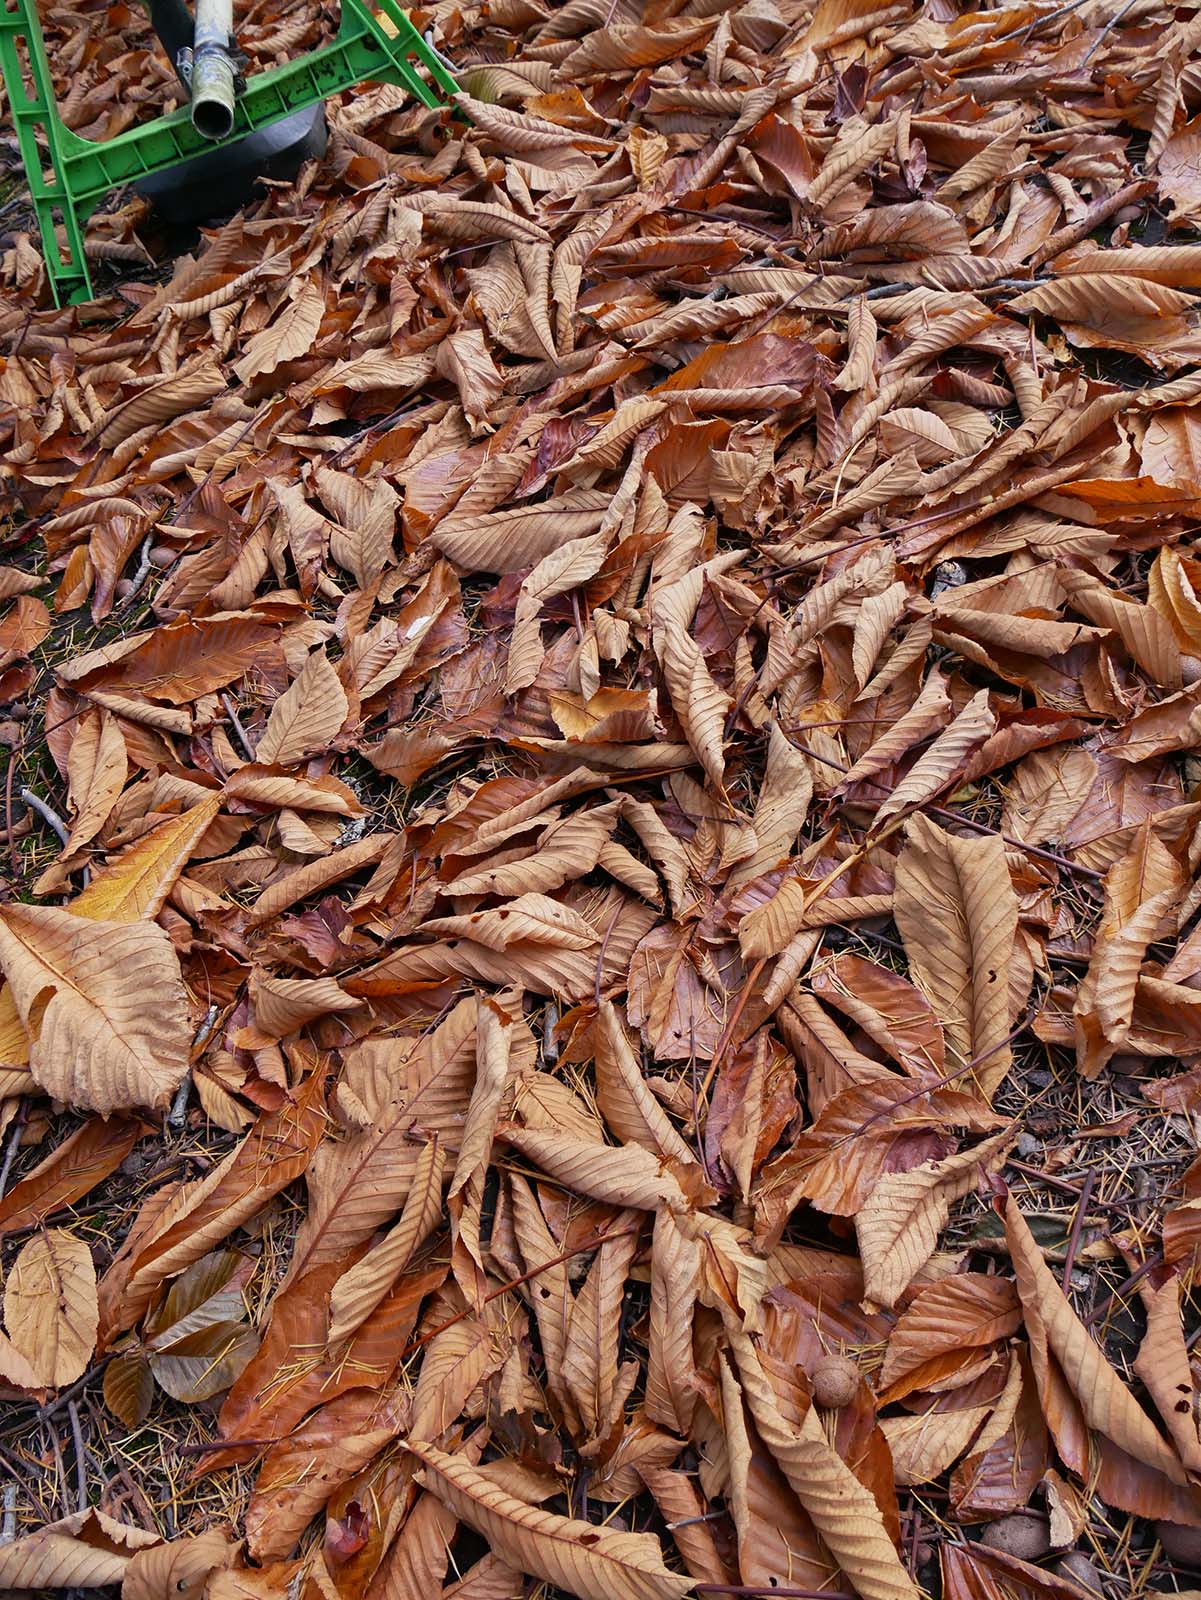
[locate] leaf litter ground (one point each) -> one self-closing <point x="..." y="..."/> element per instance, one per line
<point x="602" y="701"/>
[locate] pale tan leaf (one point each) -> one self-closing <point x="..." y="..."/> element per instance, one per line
<point x="102" y="1003"/>
<point x="455" y="1360"/>
<point x="957" y="912"/>
<point x="96" y="770"/>
<point x="844" y="1513"/>
<point x="924" y="1446"/>
<point x="489" y="1579"/>
<point x="50" y="1306"/>
<point x="159" y="403"/>
<point x="288" y="337"/>
<point x="780" y="808"/>
<point x="936" y="767"/>
<point x="859" y="366"/>
<point x="306" y="718"/>
<point x="911" y="428"/>
<point x="627" y="1104"/>
<point x="563" y="569"/>
<point x="1055" y="1329"/>
<point x="675" y="1276"/>
<point x="899" y="1225"/>
<point x="179" y="1570"/>
<point x="88" y="1550"/>
<point x="317" y="875"/>
<point x="361" y="540"/>
<point x="567" y="849"/>
<point x="361" y="1182"/>
<point x="928" y="714"/>
<point x="357" y="1292"/>
<point x="593" y="1333"/>
<point x="552" y="1298"/>
<point x="511" y="540"/>
<point x="416" y="1564"/>
<point x="1140" y="891"/>
<point x="592" y="1562"/>
<point x="878" y="615"/>
<point x="531" y="917"/>
<point x="1163" y="1365"/>
<point x="626" y="1175"/>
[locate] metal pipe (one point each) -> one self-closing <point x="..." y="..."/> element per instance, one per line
<point x="213" y="69"/>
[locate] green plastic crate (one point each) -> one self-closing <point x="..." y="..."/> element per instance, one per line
<point x="69" y="176"/>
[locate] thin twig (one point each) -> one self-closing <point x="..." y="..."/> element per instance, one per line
<point x="1069" y="1260"/>
<point x="140" y="576"/>
<point x="14" y="1142"/>
<point x="8" y="1528"/>
<point x="772" y="1592"/>
<point x="47" y="814"/>
<point x="1116" y="1298"/>
<point x="81" y="1457"/>
<point x="231" y="713"/>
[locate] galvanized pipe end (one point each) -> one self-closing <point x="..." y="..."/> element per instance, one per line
<point x="212" y="91"/>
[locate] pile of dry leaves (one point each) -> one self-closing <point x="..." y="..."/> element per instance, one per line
<point x="619" y="1012"/>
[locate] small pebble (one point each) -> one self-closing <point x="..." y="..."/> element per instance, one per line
<point x="1024" y="1536"/>
<point x="1181" y="1545"/>
<point x="1076" y="1567"/>
<point x="1028" y="1145"/>
<point x="948" y="575"/>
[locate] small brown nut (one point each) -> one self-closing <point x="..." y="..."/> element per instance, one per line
<point x="123" y="588"/>
<point x="1025" y="1536"/>
<point x="1181" y="1545"/>
<point x="835" y="1381"/>
<point x="161" y="555"/>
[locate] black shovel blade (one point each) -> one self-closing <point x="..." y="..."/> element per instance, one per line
<point x="220" y="181"/>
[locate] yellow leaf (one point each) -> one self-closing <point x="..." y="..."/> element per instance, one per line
<point x="136" y="883"/>
<point x="133" y="885"/>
